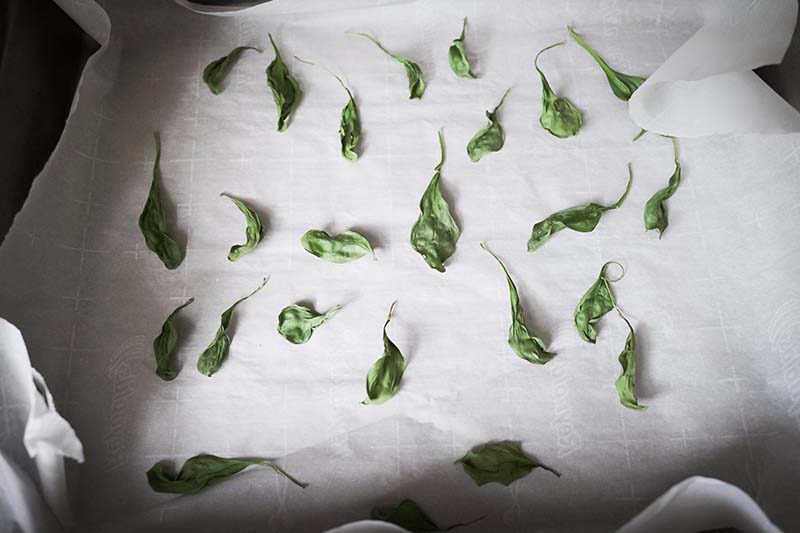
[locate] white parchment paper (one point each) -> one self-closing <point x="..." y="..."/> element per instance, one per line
<point x="715" y="303"/>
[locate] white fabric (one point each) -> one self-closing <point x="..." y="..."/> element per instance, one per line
<point x="21" y="506"/>
<point x="714" y="303"/>
<point x="47" y="438"/>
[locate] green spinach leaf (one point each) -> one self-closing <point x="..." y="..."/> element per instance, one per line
<point x="559" y="116"/>
<point x="254" y="232"/>
<point x="296" y="323"/>
<point x="595" y="304"/>
<point x="410" y="516"/>
<point x="457" y="56"/>
<point x="153" y="220"/>
<point x="212" y="357"/>
<point x="529" y="347"/>
<point x="350" y="124"/>
<point x="582" y="218"/>
<point x="623" y="85"/>
<point x="499" y="462"/>
<point x="285" y="89"/>
<point x="216" y="71"/>
<point x="489" y="138"/>
<point x="416" y="85"/>
<point x="626" y="382"/>
<point x="201" y="470"/>
<point x="383" y="379"/>
<point x="435" y="233"/>
<point x="343" y="248"/>
<point x="655" y="212"/>
<point x="165" y="343"/>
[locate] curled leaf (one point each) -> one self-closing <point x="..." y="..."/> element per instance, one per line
<point x="499" y="462"/>
<point x="655" y="212"/>
<point x="165" y="343"/>
<point x="582" y="218"/>
<point x="343" y="248"/>
<point x="254" y="232"/>
<point x="457" y="56"/>
<point x="626" y="382"/>
<point x="559" y="116"/>
<point x="153" y="220"/>
<point x="201" y="470"/>
<point x="529" y="347"/>
<point x="623" y="85"/>
<point x="489" y="138"/>
<point x="296" y="323"/>
<point x="594" y="305"/>
<point x="216" y="71"/>
<point x="416" y="85"/>
<point x="285" y="89"/>
<point x="410" y="516"/>
<point x="383" y="379"/>
<point x="435" y="233"/>
<point x="212" y="357"/>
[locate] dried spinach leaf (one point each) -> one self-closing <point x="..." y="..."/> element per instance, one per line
<point x="595" y="304"/>
<point x="153" y="220"/>
<point x="559" y="116"/>
<point x="410" y="516"/>
<point x="254" y="232"/>
<point x="165" y="343"/>
<point x="201" y="470"/>
<point x="626" y="382"/>
<point x="216" y="352"/>
<point x="623" y="85"/>
<point x="582" y="218"/>
<point x="416" y="85"/>
<point x="216" y="71"/>
<point x="499" y="462"/>
<point x="350" y="124"/>
<point x="435" y="233"/>
<point x="527" y="346"/>
<point x="343" y="248"/>
<point x="655" y="212"/>
<point x="285" y="89"/>
<point x="457" y="56"/>
<point x="383" y="379"/>
<point x="296" y="323"/>
<point x="489" y="138"/>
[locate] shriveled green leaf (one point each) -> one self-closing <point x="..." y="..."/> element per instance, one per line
<point x="416" y="85"/>
<point x="435" y="233"/>
<point x="153" y="220"/>
<point x="165" y="343"/>
<point x="410" y="516"/>
<point x="201" y="470"/>
<point x="350" y="125"/>
<point x="285" y="89"/>
<point x="489" y="138"/>
<point x="216" y="352"/>
<point x="623" y="85"/>
<point x="559" y="116"/>
<point x="526" y="345"/>
<point x="655" y="212"/>
<point x="343" y="248"/>
<point x="626" y="382"/>
<point x="582" y="218"/>
<point x="383" y="379"/>
<point x="595" y="304"/>
<point x="499" y="462"/>
<point x="457" y="56"/>
<point x="216" y="71"/>
<point x="253" y="232"/>
<point x="296" y="323"/>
